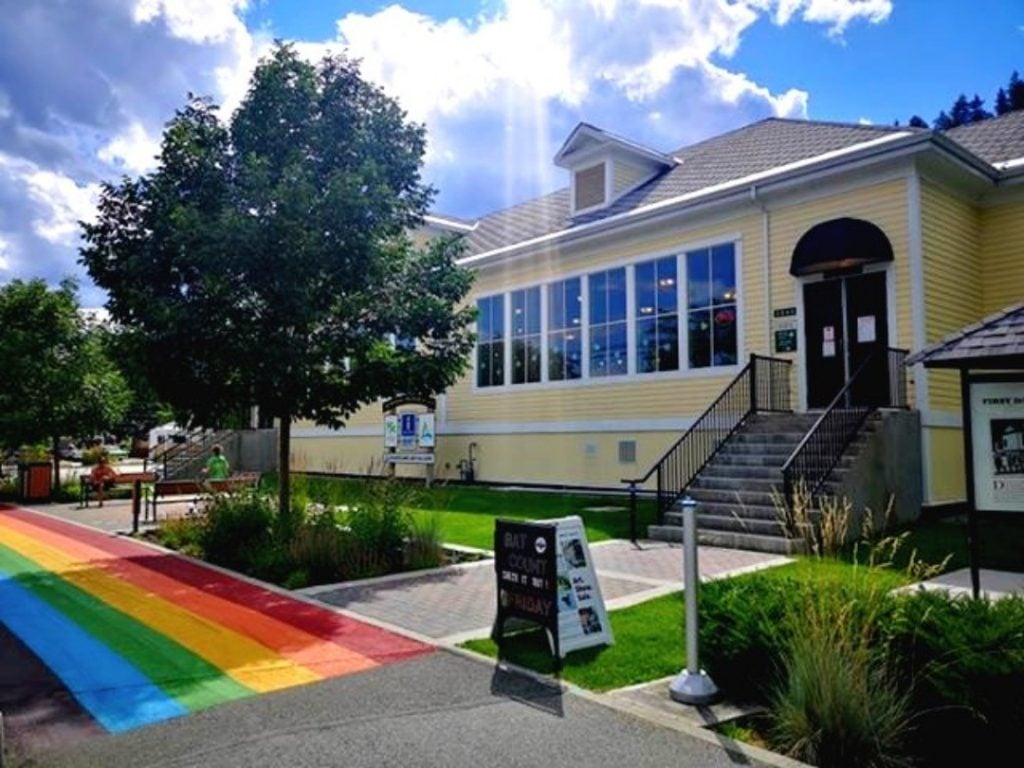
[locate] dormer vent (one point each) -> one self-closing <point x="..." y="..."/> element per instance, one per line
<point x="604" y="167"/>
<point x="589" y="187"/>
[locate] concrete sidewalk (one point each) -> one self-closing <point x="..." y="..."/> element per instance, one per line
<point x="453" y="604"/>
<point x="443" y="711"/>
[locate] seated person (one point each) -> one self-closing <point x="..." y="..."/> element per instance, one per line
<point x="102" y="477"/>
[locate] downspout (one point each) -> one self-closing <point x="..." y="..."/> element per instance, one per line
<point x="766" y="244"/>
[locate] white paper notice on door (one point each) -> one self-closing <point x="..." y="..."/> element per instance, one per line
<point x="828" y="333"/>
<point x="866" y="329"/>
<point x="828" y="349"/>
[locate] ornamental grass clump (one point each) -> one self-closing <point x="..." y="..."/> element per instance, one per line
<point x="839" y="702"/>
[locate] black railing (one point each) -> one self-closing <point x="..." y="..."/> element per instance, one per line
<point x="763" y="385"/>
<point x="171" y="459"/>
<point x="879" y="382"/>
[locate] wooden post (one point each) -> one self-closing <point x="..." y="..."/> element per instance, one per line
<point x="972" y="514"/>
<point x="136" y="504"/>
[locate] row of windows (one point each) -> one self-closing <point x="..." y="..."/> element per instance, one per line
<point x="709" y="319"/>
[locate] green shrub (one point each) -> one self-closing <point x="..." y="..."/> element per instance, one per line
<point x="966" y="658"/>
<point x="182" y="534"/>
<point x="91" y="456"/>
<point x="381" y="523"/>
<point x="741" y="637"/>
<point x="236" y="532"/>
<point x="423" y="548"/>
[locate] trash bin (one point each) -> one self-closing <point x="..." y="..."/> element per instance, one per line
<point x="35" y="481"/>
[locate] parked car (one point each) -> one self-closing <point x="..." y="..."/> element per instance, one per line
<point x="69" y="452"/>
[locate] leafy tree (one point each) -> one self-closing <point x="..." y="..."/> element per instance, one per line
<point x="943" y="122"/>
<point x="917" y="122"/>
<point x="976" y="110"/>
<point x="1015" y="92"/>
<point x="265" y="262"/>
<point x="1002" y="102"/>
<point x="57" y="379"/>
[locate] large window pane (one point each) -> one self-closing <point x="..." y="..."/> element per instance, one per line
<point x="563" y="339"/>
<point x="525" y="336"/>
<point x="657" y="324"/>
<point x="608" y="343"/>
<point x="646" y="345"/>
<point x="490" y="363"/>
<point x="617" y="351"/>
<point x="599" y="350"/>
<point x="617" y="294"/>
<point x="573" y="355"/>
<point x="573" y="303"/>
<point x="667" y="287"/>
<point x="723" y="274"/>
<point x="700" y="338"/>
<point x="646" y="295"/>
<point x="725" y="336"/>
<point x="668" y="343"/>
<point x="711" y="288"/>
<point x="599" y="298"/>
<point x="698" y="279"/>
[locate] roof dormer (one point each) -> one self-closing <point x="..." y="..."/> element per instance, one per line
<point x="603" y="167"/>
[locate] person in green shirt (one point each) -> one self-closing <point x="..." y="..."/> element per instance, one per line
<point x="217" y="465"/>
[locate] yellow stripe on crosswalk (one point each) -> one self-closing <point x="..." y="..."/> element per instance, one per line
<point x="245" y="660"/>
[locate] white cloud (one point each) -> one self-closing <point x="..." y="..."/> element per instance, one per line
<point x="60" y="201"/>
<point x="5" y="250"/>
<point x="198" y="21"/>
<point x="836" y="13"/>
<point x="865" y="121"/>
<point x="133" y="150"/>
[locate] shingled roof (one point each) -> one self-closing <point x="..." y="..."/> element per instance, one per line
<point x="995" y="141"/>
<point x="995" y="342"/>
<point x="753" y="149"/>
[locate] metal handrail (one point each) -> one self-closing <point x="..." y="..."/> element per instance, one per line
<point x="821" y="449"/>
<point x="752" y="390"/>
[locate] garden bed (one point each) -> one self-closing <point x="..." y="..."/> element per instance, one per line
<point x="849" y="673"/>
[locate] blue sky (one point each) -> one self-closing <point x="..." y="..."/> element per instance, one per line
<point x="499" y="84"/>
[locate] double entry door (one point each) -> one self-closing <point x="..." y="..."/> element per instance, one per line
<point x="845" y="324"/>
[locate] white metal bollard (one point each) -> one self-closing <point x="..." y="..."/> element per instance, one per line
<point x="693" y="685"/>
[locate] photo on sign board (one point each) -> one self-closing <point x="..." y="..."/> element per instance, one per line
<point x="589" y="620"/>
<point x="566" y="596"/>
<point x="572" y="550"/>
<point x="1008" y="446"/>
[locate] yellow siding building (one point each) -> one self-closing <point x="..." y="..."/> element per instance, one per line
<point x="613" y="312"/>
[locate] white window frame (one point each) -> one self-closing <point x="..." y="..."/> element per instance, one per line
<point x="684" y="372"/>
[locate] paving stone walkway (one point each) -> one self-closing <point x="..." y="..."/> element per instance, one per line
<point x="453" y="604"/>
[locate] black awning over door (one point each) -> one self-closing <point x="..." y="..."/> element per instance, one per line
<point x="840" y="244"/>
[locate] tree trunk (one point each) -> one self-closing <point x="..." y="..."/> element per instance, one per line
<point x="56" y="463"/>
<point x="283" y="469"/>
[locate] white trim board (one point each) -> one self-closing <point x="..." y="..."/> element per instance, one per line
<point x="626" y="426"/>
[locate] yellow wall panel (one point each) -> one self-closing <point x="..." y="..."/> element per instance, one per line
<point x="950" y="240"/>
<point x="946" y="459"/>
<point x="580" y="458"/>
<point x="1002" y="256"/>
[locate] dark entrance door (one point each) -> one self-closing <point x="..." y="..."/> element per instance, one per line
<point x="846" y="325"/>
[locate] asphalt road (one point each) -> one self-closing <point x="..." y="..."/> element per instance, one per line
<point x="439" y="710"/>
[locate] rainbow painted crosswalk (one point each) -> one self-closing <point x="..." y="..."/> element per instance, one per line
<point x="137" y="635"/>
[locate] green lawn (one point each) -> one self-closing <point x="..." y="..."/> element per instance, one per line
<point x="1001" y="542"/>
<point x="649" y="636"/>
<point x="467" y="513"/>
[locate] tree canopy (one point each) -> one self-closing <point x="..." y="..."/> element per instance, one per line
<point x="266" y="262"/>
<point x="58" y="381"/>
<point x="965" y="111"/>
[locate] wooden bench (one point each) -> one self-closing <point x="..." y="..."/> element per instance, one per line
<point x="134" y="479"/>
<point x="201" y="487"/>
